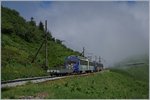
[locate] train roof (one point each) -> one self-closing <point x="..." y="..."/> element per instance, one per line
<point x="73" y="57"/>
<point x="77" y="58"/>
<point x="83" y="58"/>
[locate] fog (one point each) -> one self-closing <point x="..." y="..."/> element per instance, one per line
<point x="112" y="30"/>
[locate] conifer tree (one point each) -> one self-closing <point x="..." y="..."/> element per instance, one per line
<point x="41" y="26"/>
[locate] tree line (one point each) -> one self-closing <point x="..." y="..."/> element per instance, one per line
<point x="13" y="23"/>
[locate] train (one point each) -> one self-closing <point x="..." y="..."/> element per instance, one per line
<point x="76" y="65"/>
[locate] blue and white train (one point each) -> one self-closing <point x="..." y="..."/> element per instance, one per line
<point x="77" y="64"/>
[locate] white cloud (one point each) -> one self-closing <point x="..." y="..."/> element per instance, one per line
<point x="113" y="30"/>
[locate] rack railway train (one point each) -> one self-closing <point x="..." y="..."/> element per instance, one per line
<point x="76" y="65"/>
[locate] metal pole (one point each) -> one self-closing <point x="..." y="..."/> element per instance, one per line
<point x="46" y="45"/>
<point x="99" y="59"/>
<point x="95" y="58"/>
<point x="83" y="51"/>
<point x="38" y="51"/>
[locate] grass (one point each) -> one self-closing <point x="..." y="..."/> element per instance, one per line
<point x="136" y="72"/>
<point x="17" y="55"/>
<point x="102" y="85"/>
<point x="19" y="71"/>
<point x="139" y="72"/>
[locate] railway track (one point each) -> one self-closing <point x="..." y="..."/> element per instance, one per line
<point x="23" y="81"/>
<point x="13" y="83"/>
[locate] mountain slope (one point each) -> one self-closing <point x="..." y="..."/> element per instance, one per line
<point x="131" y="67"/>
<point x="20" y="41"/>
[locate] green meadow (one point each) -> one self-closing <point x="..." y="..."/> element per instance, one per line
<point x="105" y="85"/>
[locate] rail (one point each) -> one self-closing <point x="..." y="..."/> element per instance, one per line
<point x="17" y="82"/>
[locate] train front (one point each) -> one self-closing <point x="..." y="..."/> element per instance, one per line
<point x="72" y="64"/>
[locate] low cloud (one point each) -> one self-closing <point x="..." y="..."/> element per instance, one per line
<point x="112" y="30"/>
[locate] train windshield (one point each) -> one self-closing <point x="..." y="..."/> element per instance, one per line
<point x="70" y="64"/>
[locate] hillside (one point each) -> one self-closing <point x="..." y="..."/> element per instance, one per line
<point x="21" y="40"/>
<point x="109" y="85"/>
<point x="129" y="67"/>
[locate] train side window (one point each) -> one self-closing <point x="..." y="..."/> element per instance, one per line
<point x="82" y="62"/>
<point x="91" y="64"/>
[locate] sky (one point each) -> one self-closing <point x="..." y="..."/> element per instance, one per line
<point x="110" y="29"/>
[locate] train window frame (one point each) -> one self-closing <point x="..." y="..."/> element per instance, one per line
<point x="91" y="63"/>
<point x="70" y="62"/>
<point x="83" y="62"/>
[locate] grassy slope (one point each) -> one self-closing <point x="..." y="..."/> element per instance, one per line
<point x="15" y="59"/>
<point x="102" y="85"/>
<point x="139" y="72"/>
<point x="17" y="53"/>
